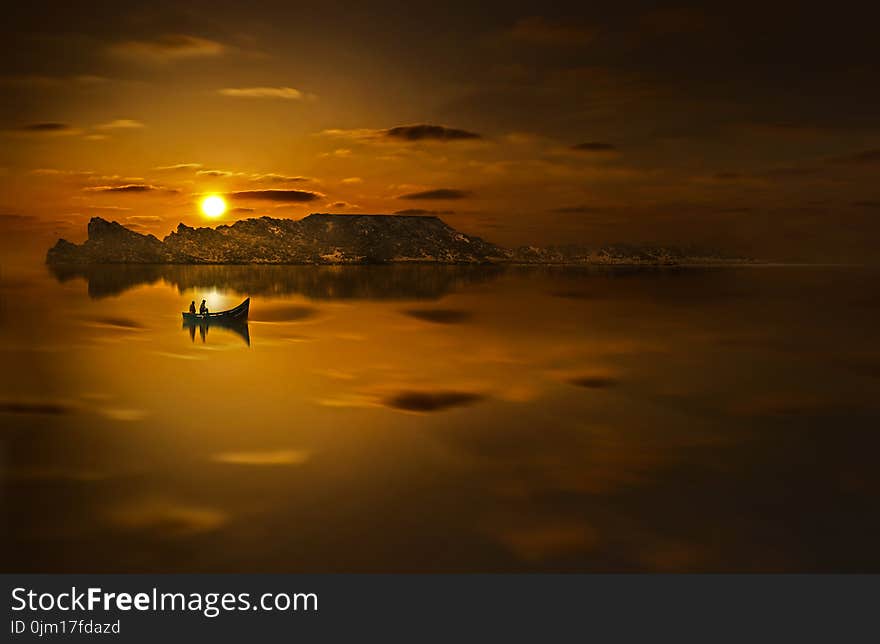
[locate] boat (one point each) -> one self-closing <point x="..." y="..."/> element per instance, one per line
<point x="238" y="314"/>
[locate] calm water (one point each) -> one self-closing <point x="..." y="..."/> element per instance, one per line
<point x="441" y="419"/>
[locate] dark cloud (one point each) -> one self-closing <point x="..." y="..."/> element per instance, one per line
<point x="343" y="205"/>
<point x="28" y="407"/>
<point x="594" y="146"/>
<point x="48" y="128"/>
<point x="867" y="204"/>
<point x="422" y="211"/>
<point x="430" y="132"/>
<point x="439" y="316"/>
<point x="242" y="210"/>
<point x="866" y="157"/>
<point x="439" y="193"/>
<point x="130" y="187"/>
<point x="287" y="196"/>
<point x="426" y="401"/>
<point x="279" y="178"/>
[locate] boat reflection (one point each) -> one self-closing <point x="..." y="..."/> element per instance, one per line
<point x="239" y="328"/>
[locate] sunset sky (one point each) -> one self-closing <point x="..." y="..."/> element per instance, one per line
<point x="753" y="128"/>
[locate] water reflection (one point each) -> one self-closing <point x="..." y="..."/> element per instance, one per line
<point x="238" y="327"/>
<point x="446" y="419"/>
<point x="385" y="282"/>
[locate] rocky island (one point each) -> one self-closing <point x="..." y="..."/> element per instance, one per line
<point x="341" y="239"/>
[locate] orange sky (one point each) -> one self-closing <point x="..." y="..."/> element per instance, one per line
<point x="591" y="125"/>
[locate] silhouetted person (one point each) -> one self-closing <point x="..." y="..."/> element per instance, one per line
<point x="203" y="309"/>
<point x="192" y="307"/>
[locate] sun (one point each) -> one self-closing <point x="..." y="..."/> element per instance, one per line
<point x="213" y="206"/>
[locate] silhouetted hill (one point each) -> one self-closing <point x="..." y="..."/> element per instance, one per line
<point x="316" y="239"/>
<point x="340" y="239"/>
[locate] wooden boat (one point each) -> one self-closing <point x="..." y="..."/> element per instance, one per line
<point x="238" y="314"/>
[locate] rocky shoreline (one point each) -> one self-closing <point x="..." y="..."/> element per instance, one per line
<point x="345" y="239"/>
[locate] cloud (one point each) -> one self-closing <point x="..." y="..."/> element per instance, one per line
<point x="45" y="127"/>
<point x="49" y="408"/>
<point x="286" y="93"/>
<point x="867" y="204"/>
<point x="271" y="177"/>
<point x="539" y="31"/>
<point x="268" y="177"/>
<point x="145" y="219"/>
<point x="178" y="167"/>
<point x="277" y="195"/>
<point x="242" y="210"/>
<point x="352" y="180"/>
<point x="439" y="193"/>
<point x="359" y="133"/>
<point x="48" y="129"/>
<point x="422" y="211"/>
<point x="420" y="132"/>
<point x="424" y="132"/>
<point x="344" y="205"/>
<point x="169" y="47"/>
<point x="50" y="172"/>
<point x="130" y="187"/>
<point x="594" y="146"/>
<point x="120" y="124"/>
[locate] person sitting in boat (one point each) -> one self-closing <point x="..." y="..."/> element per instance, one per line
<point x="192" y="307"/>
<point x="203" y="309"/>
